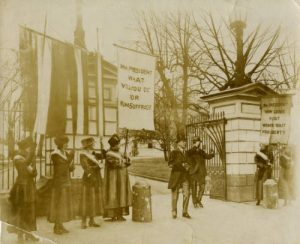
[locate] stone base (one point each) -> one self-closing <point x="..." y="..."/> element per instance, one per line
<point x="241" y="188"/>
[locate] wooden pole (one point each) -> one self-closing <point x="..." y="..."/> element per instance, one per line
<point x="126" y="142"/>
<point x="101" y="147"/>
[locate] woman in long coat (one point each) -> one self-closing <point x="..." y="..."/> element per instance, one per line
<point x="61" y="208"/>
<point x="286" y="175"/>
<point x="264" y="160"/>
<point x="118" y="195"/>
<point x="23" y="193"/>
<point x="92" y="196"/>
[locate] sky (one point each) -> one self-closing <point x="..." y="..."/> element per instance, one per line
<point x="116" y="19"/>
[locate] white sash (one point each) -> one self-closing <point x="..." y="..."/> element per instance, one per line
<point x="58" y="152"/>
<point x="92" y="158"/>
<point x="262" y="155"/>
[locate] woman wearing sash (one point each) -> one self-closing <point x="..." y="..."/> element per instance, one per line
<point x="61" y="209"/>
<point x="286" y="175"/>
<point x="92" y="198"/>
<point x="23" y="193"/>
<point x="264" y="161"/>
<point x="118" y="196"/>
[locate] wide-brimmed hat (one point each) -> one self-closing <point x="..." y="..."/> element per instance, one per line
<point x="114" y="140"/>
<point x="86" y="142"/>
<point x="61" y="140"/>
<point x="25" y="142"/>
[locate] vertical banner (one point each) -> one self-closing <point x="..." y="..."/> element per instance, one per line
<point x="275" y="118"/>
<point x="135" y="89"/>
<point x="44" y="60"/>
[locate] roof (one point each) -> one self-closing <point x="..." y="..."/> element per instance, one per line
<point x="253" y="90"/>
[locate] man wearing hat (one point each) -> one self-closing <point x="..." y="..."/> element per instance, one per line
<point x="23" y="193"/>
<point x="61" y="207"/>
<point x="92" y="197"/>
<point x="118" y="195"/>
<point x="264" y="160"/>
<point x="197" y="157"/>
<point x="179" y="177"/>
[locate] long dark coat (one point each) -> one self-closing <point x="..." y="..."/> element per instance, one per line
<point x="92" y="195"/>
<point x="179" y="173"/>
<point x="196" y="158"/>
<point x="61" y="206"/>
<point x="262" y="164"/>
<point x="118" y="195"/>
<point x="23" y="195"/>
<point x="263" y="172"/>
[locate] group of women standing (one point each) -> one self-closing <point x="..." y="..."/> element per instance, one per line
<point x="110" y="197"/>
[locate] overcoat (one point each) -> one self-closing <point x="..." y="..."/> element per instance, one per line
<point x="196" y="158"/>
<point x="118" y="195"/>
<point x="179" y="173"/>
<point x="92" y="194"/>
<point x="286" y="177"/>
<point x="23" y="195"/>
<point x="61" y="206"/>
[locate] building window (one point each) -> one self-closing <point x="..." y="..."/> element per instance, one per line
<point x="110" y="128"/>
<point x="107" y="94"/>
<point x="92" y="120"/>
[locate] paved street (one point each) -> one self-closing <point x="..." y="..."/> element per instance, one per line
<point x="218" y="222"/>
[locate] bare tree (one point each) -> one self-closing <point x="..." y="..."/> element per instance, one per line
<point x="231" y="59"/>
<point x="10" y="95"/>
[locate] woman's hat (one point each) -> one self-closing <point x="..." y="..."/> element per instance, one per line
<point x="25" y="142"/>
<point x="114" y="140"/>
<point x="86" y="142"/>
<point x="61" y="140"/>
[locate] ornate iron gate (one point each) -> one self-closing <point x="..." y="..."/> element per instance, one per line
<point x="211" y="129"/>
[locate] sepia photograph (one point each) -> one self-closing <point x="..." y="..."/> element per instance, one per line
<point x="150" y="121"/>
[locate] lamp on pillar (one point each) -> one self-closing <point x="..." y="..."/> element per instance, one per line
<point x="79" y="35"/>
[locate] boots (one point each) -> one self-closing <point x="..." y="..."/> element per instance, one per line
<point x="31" y="237"/>
<point x="121" y="218"/>
<point x="63" y="229"/>
<point x="92" y="223"/>
<point x="174" y="214"/>
<point x="83" y="223"/>
<point x="57" y="229"/>
<point x="20" y="237"/>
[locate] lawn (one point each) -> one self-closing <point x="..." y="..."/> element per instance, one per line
<point x="156" y="168"/>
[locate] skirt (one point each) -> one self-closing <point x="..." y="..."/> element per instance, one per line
<point x="61" y="206"/>
<point x="92" y="201"/>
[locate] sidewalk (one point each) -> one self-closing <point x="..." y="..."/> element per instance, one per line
<point x="218" y="222"/>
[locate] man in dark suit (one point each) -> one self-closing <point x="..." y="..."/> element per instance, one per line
<point x="197" y="157"/>
<point x="179" y="178"/>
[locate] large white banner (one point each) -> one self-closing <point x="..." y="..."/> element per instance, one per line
<point x="275" y="118"/>
<point x="135" y="90"/>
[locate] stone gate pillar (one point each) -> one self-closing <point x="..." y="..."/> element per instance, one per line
<point x="242" y="135"/>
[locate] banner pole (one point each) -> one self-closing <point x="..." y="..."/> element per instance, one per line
<point x="126" y="142"/>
